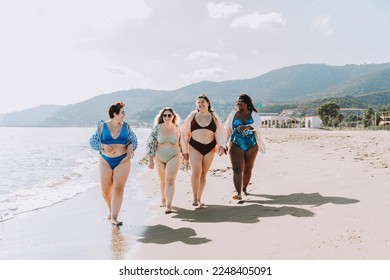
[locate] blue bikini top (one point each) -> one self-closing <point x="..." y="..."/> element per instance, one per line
<point x="107" y="137"/>
<point x="237" y="122"/>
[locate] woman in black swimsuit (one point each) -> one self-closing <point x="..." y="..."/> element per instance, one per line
<point x="202" y="135"/>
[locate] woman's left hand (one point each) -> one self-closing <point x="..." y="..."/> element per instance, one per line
<point x="221" y="151"/>
<point x="130" y="152"/>
<point x="242" y="128"/>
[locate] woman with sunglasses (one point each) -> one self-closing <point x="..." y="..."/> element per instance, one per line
<point x="163" y="151"/>
<point x="245" y="141"/>
<point x="202" y="136"/>
<point x="116" y="142"/>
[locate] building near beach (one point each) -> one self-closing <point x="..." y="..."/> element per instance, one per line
<point x="384" y="120"/>
<point x="313" y="122"/>
<point x="274" y="121"/>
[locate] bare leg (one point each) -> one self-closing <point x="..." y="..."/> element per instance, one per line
<point x="121" y="173"/>
<point x="237" y="159"/>
<point x="161" y="173"/>
<point x="206" y="163"/>
<point x="196" y="160"/>
<point x="250" y="157"/>
<point x="171" y="170"/>
<point x="106" y="182"/>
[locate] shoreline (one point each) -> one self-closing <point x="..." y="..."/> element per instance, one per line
<point x="51" y="232"/>
<point x="315" y="195"/>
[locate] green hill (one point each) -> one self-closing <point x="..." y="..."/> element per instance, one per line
<point x="302" y="86"/>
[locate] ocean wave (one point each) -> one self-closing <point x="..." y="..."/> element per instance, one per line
<point x="39" y="176"/>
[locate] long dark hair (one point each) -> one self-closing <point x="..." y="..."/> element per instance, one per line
<point x="248" y="101"/>
<point x="207" y="99"/>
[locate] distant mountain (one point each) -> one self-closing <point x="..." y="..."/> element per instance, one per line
<point x="303" y="85"/>
<point x="89" y="112"/>
<point x="30" y="117"/>
<point x="376" y="99"/>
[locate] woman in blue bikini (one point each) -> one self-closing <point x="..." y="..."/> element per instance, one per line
<point x="202" y="136"/>
<point x="245" y="142"/>
<point x="163" y="150"/>
<point x="116" y="142"/>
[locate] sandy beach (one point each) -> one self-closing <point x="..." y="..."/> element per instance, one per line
<point x="314" y="195"/>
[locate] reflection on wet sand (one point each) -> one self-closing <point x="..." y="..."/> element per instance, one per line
<point x="119" y="244"/>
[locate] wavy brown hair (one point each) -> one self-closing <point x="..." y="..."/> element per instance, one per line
<point x="159" y="117"/>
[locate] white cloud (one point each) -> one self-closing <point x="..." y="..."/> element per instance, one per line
<point x="101" y="10"/>
<point x="116" y="71"/>
<point x="259" y="21"/>
<point x="202" y="55"/>
<point x="230" y="56"/>
<point x="325" y="23"/>
<point x="124" y="77"/>
<point x="222" y="10"/>
<point x="200" y="74"/>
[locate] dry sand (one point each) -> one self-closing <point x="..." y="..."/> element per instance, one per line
<point x="315" y="195"/>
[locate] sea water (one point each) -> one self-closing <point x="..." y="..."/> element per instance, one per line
<point x="43" y="166"/>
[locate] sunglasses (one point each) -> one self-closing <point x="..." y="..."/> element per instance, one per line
<point x="123" y="112"/>
<point x="167" y="115"/>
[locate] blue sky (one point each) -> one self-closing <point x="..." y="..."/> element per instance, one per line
<point x="64" y="52"/>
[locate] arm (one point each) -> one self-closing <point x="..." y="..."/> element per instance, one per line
<point x="95" y="141"/>
<point x="256" y="126"/>
<point x="131" y="139"/>
<point x="151" y="146"/>
<point x="185" y="133"/>
<point x="228" y="125"/>
<point x="256" y="121"/>
<point x="220" y="134"/>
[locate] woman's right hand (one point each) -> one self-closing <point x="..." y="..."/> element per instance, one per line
<point x="107" y="149"/>
<point x="151" y="163"/>
<point x="221" y="151"/>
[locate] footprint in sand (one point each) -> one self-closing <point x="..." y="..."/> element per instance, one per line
<point x="218" y="172"/>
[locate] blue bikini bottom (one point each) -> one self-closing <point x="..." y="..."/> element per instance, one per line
<point x="113" y="161"/>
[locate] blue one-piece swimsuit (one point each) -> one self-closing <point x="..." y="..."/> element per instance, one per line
<point x="244" y="140"/>
<point x="108" y="140"/>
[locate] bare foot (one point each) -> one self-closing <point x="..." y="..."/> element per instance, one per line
<point x="117" y="223"/>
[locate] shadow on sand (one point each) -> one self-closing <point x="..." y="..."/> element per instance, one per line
<point x="314" y="199"/>
<point x="250" y="211"/>
<point x="237" y="214"/>
<point x="160" y="234"/>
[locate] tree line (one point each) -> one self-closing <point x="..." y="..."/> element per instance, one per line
<point x="331" y="116"/>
